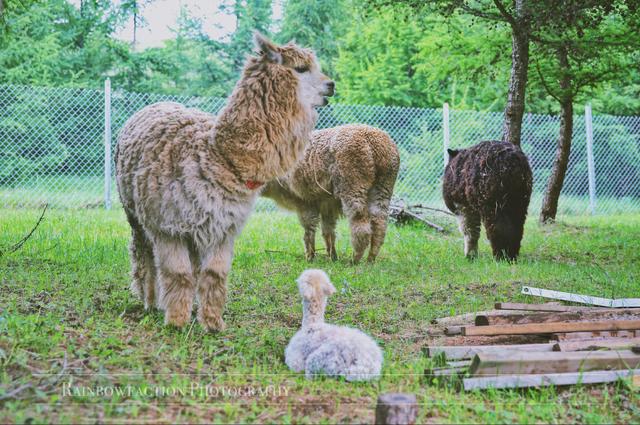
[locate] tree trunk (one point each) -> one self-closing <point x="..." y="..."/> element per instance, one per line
<point x="513" y="113"/>
<point x="135" y="26"/>
<point x="563" y="149"/>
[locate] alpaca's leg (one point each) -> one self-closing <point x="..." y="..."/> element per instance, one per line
<point x="378" y="232"/>
<point x="212" y="286"/>
<point x="329" y="234"/>
<point x="176" y="280"/>
<point x="309" y="220"/>
<point x="379" y="211"/>
<point x="469" y="224"/>
<point x="357" y="211"/>
<point x="143" y="269"/>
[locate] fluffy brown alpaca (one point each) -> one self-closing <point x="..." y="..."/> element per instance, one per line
<point x="491" y="183"/>
<point x="349" y="169"/>
<point x="188" y="180"/>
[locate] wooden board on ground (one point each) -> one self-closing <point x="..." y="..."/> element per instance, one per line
<point x="596" y="344"/>
<point x="453" y="330"/>
<point x="541" y="380"/>
<point x="593" y="335"/>
<point x="553" y="327"/>
<point x="468" y="351"/>
<point x="582" y="299"/>
<point x="519" y="319"/>
<point x="468" y="318"/>
<point x="552" y="362"/>
<point x="541" y="307"/>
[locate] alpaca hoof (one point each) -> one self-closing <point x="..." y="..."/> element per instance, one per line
<point x="212" y="324"/>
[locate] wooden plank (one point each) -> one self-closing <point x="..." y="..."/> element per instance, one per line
<point x="552" y="362"/>
<point x="461" y="363"/>
<point x="452" y="330"/>
<point x="468" y="351"/>
<point x="543" y="380"/>
<point x="445" y="371"/>
<point x="541" y="307"/>
<point x="582" y="299"/>
<point x="594" y="335"/>
<point x="468" y="318"/>
<point x="596" y="344"/>
<point x="543" y="328"/>
<point x="518" y="319"/>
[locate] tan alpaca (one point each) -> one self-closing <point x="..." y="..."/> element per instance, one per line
<point x="188" y="180"/>
<point x="349" y="169"/>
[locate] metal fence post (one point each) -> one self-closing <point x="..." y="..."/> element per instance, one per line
<point x="591" y="169"/>
<point x="107" y="143"/>
<point x="445" y="130"/>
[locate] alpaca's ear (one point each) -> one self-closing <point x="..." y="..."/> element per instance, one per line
<point x="453" y="152"/>
<point x="266" y="48"/>
<point x="306" y="291"/>
<point x="330" y="289"/>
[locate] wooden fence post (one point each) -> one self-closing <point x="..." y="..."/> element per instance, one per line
<point x="107" y="144"/>
<point x="396" y="409"/>
<point x="446" y="132"/>
<point x="591" y="169"/>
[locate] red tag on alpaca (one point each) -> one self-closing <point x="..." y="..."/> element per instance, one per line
<point x="252" y="184"/>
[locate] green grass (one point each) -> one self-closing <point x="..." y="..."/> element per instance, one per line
<point x="64" y="295"/>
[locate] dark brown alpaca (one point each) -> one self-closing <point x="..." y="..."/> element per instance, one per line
<point x="490" y="183"/>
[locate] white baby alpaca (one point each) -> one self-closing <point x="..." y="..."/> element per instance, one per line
<point x="320" y="348"/>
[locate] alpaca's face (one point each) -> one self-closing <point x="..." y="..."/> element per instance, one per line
<point x="314" y="285"/>
<point x="313" y="86"/>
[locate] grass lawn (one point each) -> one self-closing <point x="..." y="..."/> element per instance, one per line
<point x="75" y="346"/>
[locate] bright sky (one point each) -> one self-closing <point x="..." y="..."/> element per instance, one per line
<point x="162" y="15"/>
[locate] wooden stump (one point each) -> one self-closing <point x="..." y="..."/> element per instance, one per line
<point x="396" y="409"/>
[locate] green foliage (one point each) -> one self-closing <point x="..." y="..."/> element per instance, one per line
<point x="250" y="15"/>
<point x="397" y="57"/>
<point x="389" y="54"/>
<point x="55" y="43"/>
<point x="317" y="24"/>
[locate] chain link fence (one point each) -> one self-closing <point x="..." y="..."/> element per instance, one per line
<point x="52" y="148"/>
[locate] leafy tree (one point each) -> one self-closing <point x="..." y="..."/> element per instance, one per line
<point x="135" y="8"/>
<point x="317" y="24"/>
<point x="519" y="17"/>
<point x="393" y="56"/>
<point x="589" y="42"/>
<point x="250" y="15"/>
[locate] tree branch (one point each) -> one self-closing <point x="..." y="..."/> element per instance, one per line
<point x="544" y="82"/>
<point x="22" y="241"/>
<point x="505" y="14"/>
<point x="481" y="14"/>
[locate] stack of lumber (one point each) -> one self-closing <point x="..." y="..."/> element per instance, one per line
<point x="531" y="345"/>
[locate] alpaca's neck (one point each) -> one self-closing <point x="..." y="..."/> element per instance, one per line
<point x="264" y="128"/>
<point x="279" y="190"/>
<point x="313" y="312"/>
